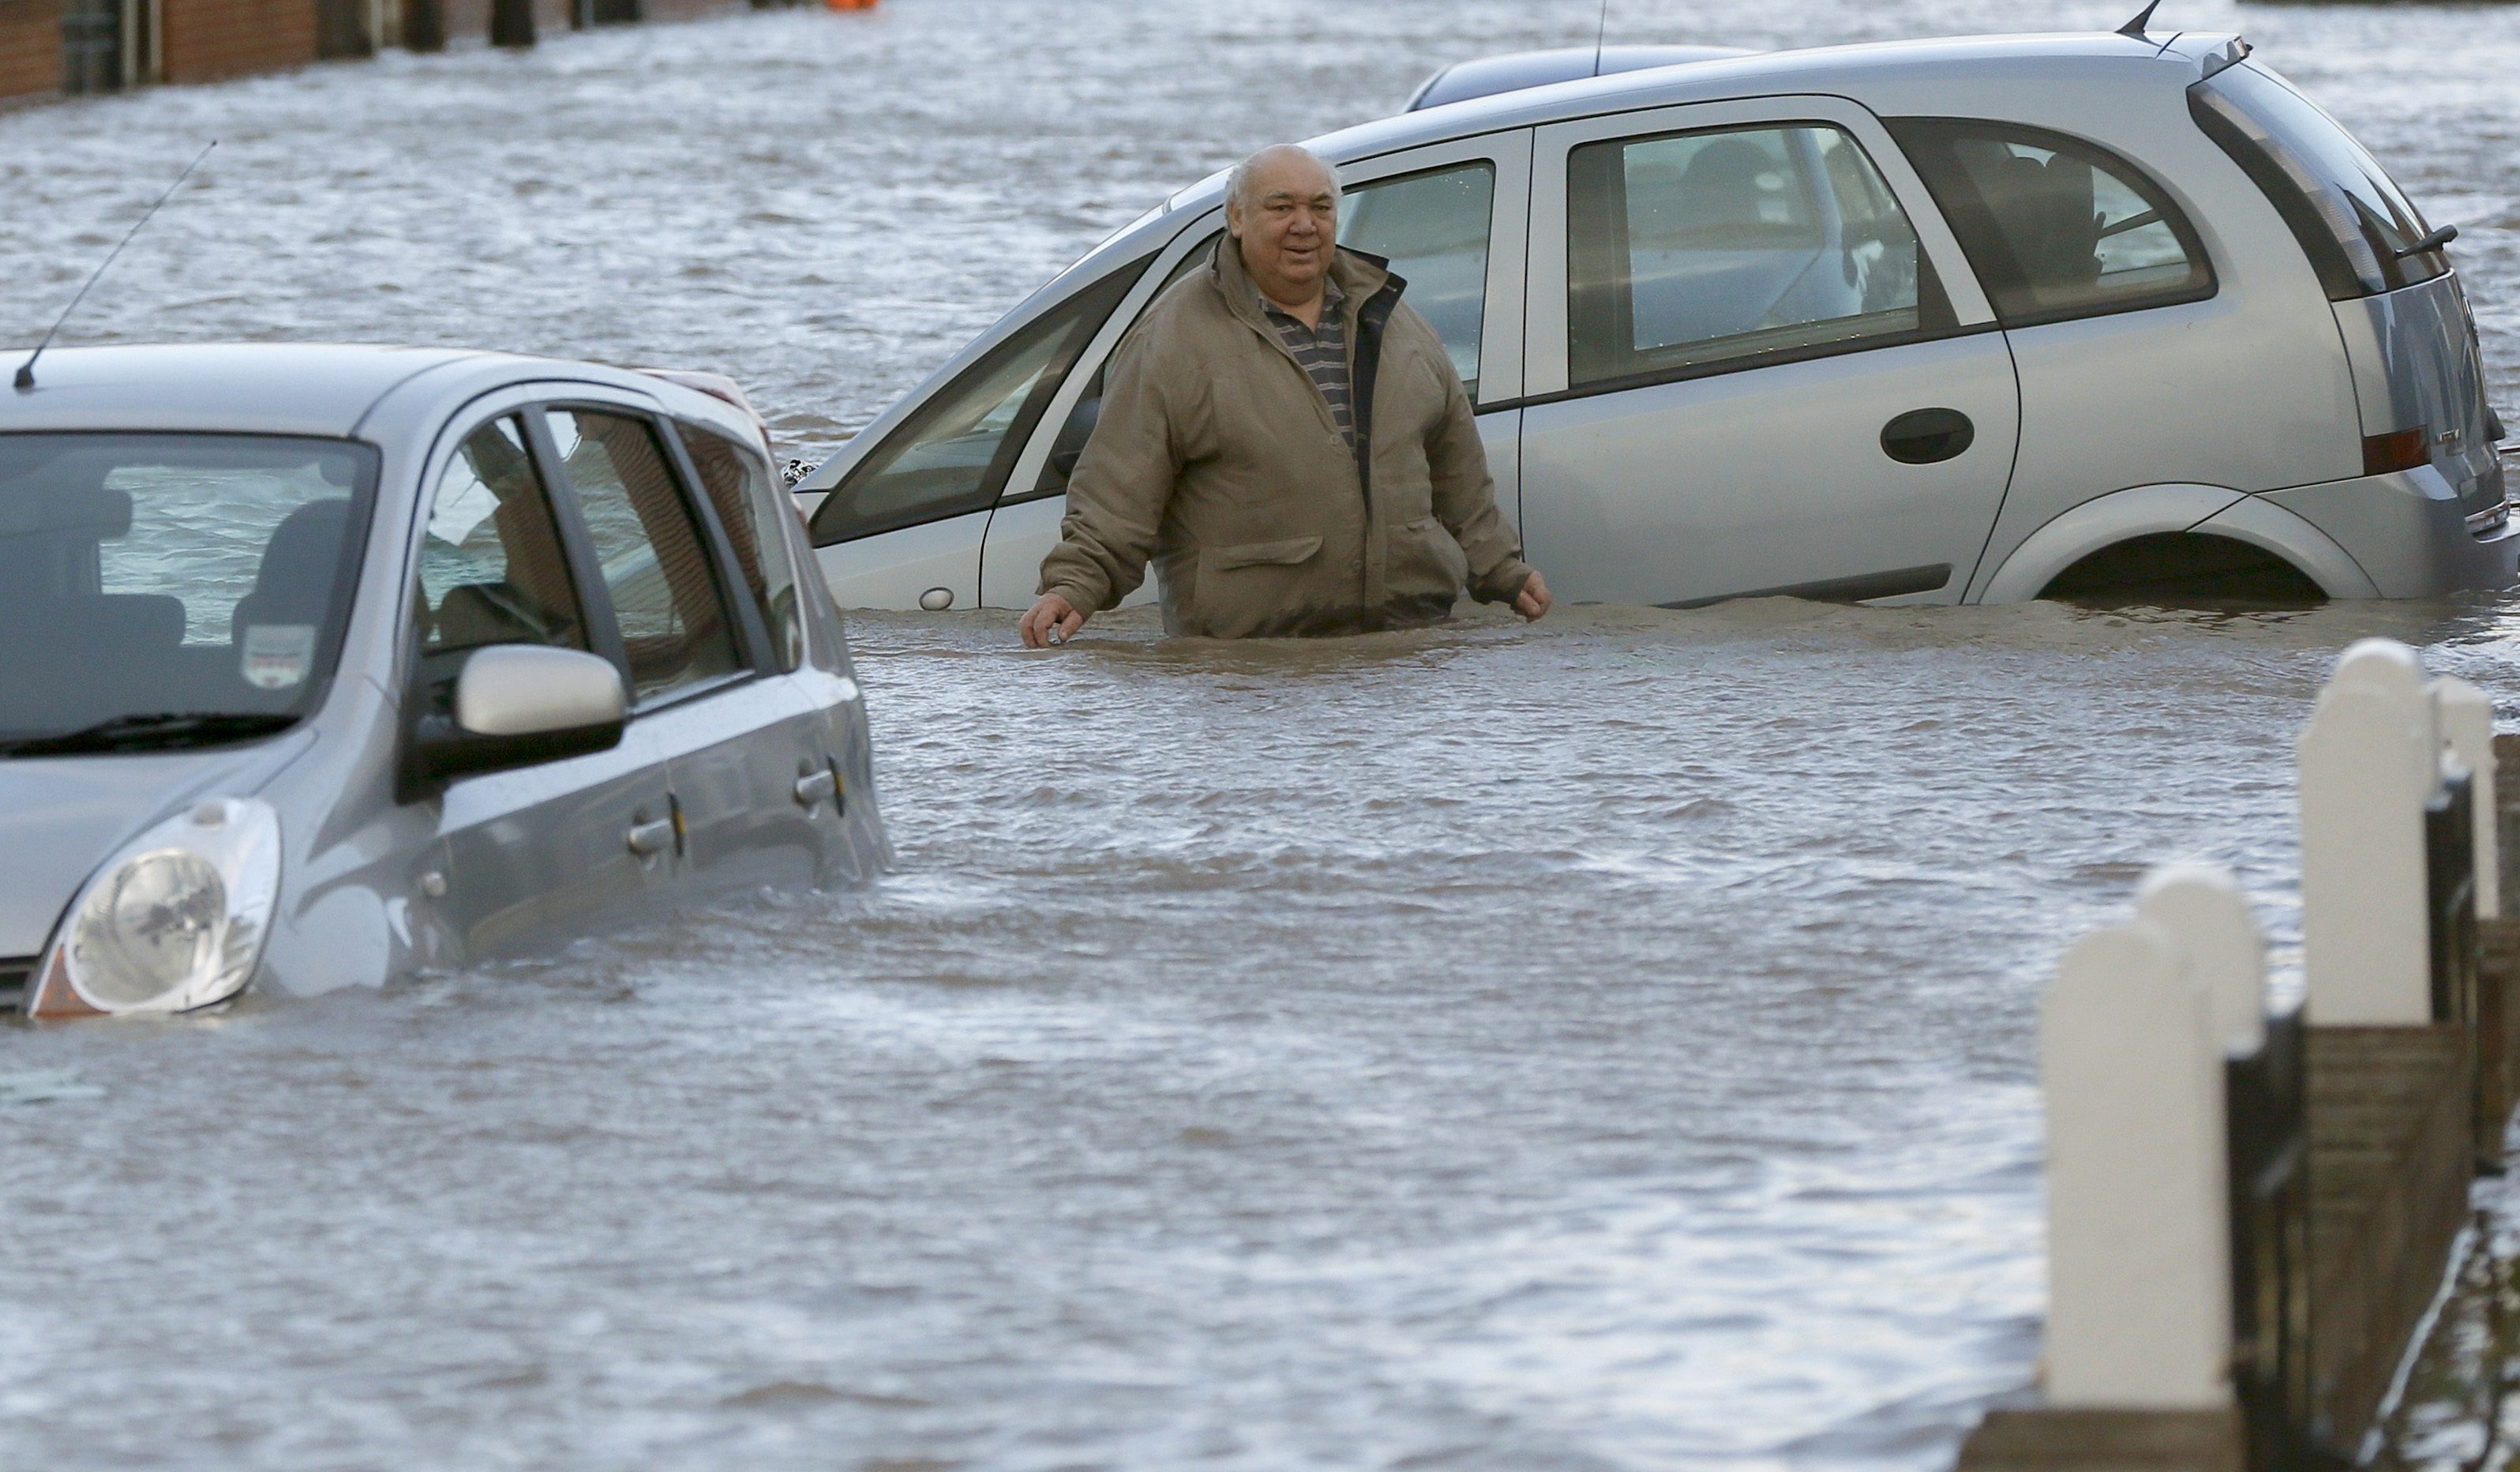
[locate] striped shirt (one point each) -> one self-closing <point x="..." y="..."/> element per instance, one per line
<point x="1321" y="352"/>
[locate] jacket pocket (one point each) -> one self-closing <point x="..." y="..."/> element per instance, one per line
<point x="1422" y="563"/>
<point x="1288" y="553"/>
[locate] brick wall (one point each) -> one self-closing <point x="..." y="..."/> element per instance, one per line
<point x="210" y="39"/>
<point x="31" y="47"/>
<point x="469" y="21"/>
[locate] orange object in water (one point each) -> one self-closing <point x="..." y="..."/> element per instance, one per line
<point x="850" y="3"/>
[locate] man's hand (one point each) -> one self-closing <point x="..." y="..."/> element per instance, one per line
<point x="1053" y="620"/>
<point x="1533" y="601"/>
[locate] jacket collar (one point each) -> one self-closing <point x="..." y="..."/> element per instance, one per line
<point x="1359" y="276"/>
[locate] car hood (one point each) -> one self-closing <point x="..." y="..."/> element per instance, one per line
<point x="62" y="816"/>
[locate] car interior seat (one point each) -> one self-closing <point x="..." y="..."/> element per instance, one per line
<point x="1719" y="194"/>
<point x="59" y="620"/>
<point x="301" y="567"/>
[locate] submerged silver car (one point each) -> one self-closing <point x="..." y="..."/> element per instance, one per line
<point x="1954" y="321"/>
<point x="319" y="666"/>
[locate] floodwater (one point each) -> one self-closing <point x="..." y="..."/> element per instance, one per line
<point x="1607" y="1045"/>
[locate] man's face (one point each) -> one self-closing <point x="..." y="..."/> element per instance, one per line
<point x="1289" y="224"/>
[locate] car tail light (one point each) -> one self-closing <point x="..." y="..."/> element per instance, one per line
<point x="2406" y="449"/>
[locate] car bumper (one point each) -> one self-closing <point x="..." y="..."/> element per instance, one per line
<point x="2410" y="532"/>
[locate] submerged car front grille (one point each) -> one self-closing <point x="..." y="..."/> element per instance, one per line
<point x="14" y="972"/>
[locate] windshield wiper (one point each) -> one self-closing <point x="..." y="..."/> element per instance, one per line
<point x="160" y="730"/>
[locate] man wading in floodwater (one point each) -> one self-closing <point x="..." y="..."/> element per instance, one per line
<point x="1288" y="443"/>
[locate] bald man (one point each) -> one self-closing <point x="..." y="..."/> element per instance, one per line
<point x="1285" y="440"/>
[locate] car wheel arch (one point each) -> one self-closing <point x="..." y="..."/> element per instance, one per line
<point x="2141" y="511"/>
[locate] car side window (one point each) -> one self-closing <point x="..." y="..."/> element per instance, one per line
<point x="2056" y="227"/>
<point x="491" y="566"/>
<point x="656" y="565"/>
<point x="1694" y="252"/>
<point x="749" y="505"/>
<point x="951" y="457"/>
<point x="1433" y="228"/>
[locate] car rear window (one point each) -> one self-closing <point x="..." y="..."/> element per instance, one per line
<point x="2351" y="220"/>
<point x="2057" y="227"/>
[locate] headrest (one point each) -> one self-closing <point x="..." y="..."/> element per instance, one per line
<point x="96" y="512"/>
<point x="305" y="551"/>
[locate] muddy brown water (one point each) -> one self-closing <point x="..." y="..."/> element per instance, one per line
<point x="1607" y="1045"/>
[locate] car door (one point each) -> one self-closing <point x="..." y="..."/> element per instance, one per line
<point x="707" y="695"/>
<point x="536" y="853"/>
<point x="2127" y="347"/>
<point x="1756" y="363"/>
<point x="1450" y="218"/>
<point x="901" y="526"/>
<point x="765" y="805"/>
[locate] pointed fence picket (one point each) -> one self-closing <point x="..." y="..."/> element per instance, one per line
<point x="2249" y="1211"/>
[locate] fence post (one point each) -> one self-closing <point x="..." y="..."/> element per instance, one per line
<point x="2200" y="905"/>
<point x="2138" y="1232"/>
<point x="2466" y="718"/>
<point x="2266" y="1127"/>
<point x="2369" y="764"/>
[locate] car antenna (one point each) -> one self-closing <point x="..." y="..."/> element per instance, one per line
<point x="1601" y="30"/>
<point x="25" y="382"/>
<point x="2135" y="27"/>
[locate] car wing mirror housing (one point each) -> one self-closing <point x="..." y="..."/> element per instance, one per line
<point x="516" y="705"/>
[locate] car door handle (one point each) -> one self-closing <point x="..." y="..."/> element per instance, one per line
<point x="647" y="840"/>
<point x="1924" y="436"/>
<point x="814" y="787"/>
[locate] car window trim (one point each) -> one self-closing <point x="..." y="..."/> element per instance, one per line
<point x="1545" y="313"/>
<point x="577" y="544"/>
<point x="787" y="547"/>
<point x="1034" y="417"/>
<point x="573" y="557"/>
<point x="1010" y="445"/>
<point x="588" y="563"/>
<point x="1498" y="180"/>
<point x="1118" y="285"/>
<point x="753" y="631"/>
<point x="1173" y="253"/>
<point x="2004" y="270"/>
<point x="1724" y="367"/>
<point x="1933" y="297"/>
<point x="506" y="400"/>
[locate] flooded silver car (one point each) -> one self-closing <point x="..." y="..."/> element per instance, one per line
<point x="325" y="664"/>
<point x="1965" y="321"/>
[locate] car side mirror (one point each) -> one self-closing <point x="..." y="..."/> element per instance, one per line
<point x="517" y="705"/>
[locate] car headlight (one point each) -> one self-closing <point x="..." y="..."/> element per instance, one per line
<point x="175" y="920"/>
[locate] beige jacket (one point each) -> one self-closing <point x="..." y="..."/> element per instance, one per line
<point x="1218" y="459"/>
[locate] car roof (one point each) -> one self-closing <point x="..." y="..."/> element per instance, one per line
<point x="1490" y="74"/>
<point x="324" y="390"/>
<point x="1957" y="62"/>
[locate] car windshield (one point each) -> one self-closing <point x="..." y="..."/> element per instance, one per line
<point x="159" y="591"/>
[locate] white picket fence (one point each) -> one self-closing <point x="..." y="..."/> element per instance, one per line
<point x="2142" y="1015"/>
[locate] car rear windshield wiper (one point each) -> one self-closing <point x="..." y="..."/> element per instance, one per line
<point x="160" y="730"/>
